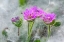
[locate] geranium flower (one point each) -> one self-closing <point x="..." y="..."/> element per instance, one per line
<point x="37" y="11"/>
<point x="15" y="19"/>
<point x="29" y="14"/>
<point x="48" y="17"/>
<point x="32" y="13"/>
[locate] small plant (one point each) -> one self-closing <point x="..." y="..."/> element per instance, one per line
<point x="17" y="22"/>
<point x="4" y="32"/>
<point x="48" y="18"/>
<point x="30" y="15"/>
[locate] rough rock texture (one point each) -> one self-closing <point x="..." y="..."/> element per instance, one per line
<point x="10" y="8"/>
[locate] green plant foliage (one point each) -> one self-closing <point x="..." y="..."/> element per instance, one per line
<point x="18" y="23"/>
<point x="57" y="24"/>
<point x="52" y="22"/>
<point x="37" y="40"/>
<point x="22" y="2"/>
<point x="4" y="33"/>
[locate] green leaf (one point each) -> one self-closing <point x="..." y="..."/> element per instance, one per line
<point x="52" y="22"/>
<point x="18" y="23"/>
<point x="37" y="40"/>
<point x="22" y="2"/>
<point x="57" y="24"/>
<point x="4" y="33"/>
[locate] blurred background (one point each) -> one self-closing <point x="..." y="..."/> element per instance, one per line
<point x="12" y="8"/>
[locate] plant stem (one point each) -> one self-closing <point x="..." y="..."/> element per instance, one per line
<point x="18" y="31"/>
<point x="30" y="25"/>
<point x="49" y="31"/>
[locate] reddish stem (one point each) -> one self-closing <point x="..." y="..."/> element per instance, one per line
<point x="18" y="31"/>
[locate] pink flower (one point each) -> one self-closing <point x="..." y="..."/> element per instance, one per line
<point x="48" y="17"/>
<point x="29" y="14"/>
<point x="32" y="13"/>
<point x="37" y="11"/>
<point x="15" y="19"/>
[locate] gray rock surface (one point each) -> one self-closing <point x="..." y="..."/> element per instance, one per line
<point x="10" y="8"/>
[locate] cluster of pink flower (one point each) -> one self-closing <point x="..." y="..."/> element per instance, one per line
<point x="34" y="12"/>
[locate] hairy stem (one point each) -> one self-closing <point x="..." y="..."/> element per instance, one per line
<point x="30" y="25"/>
<point x="49" y="31"/>
<point x="18" y="31"/>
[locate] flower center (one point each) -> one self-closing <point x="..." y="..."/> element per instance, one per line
<point x="30" y="16"/>
<point x="48" y="19"/>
